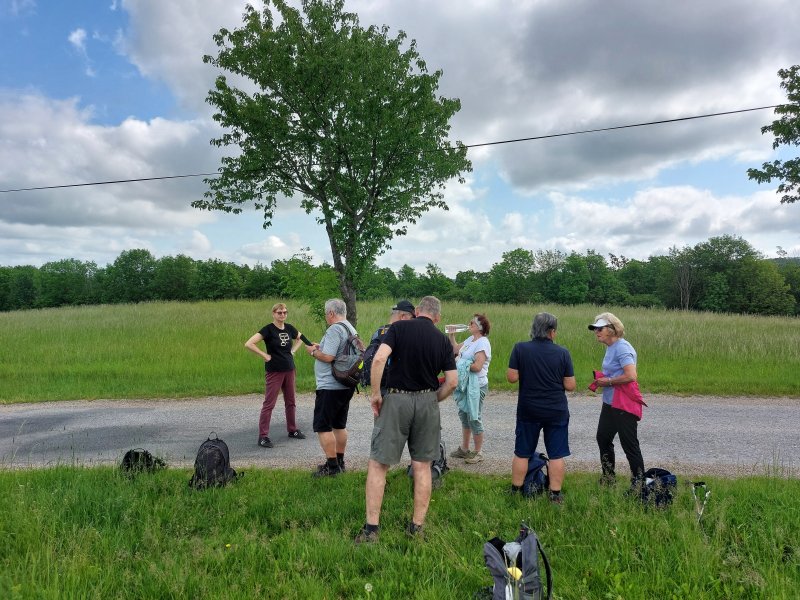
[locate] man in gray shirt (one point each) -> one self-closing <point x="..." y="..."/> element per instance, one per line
<point x="332" y="402"/>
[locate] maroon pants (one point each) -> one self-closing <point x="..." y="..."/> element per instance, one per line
<point x="275" y="383"/>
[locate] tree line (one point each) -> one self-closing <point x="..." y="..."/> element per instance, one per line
<point x="723" y="274"/>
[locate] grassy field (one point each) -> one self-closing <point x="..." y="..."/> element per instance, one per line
<point x="90" y="533"/>
<point x="195" y="349"/>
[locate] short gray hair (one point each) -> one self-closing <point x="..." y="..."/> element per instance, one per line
<point x="336" y="306"/>
<point x="542" y="324"/>
<point x="430" y="305"/>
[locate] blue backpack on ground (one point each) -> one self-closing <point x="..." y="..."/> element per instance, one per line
<point x="536" y="479"/>
<point x="659" y="487"/>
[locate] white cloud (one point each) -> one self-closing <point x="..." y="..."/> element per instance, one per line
<point x="78" y="39"/>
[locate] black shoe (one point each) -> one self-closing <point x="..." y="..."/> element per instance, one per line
<point x="325" y="470"/>
<point x="297" y="435"/>
<point x="415" y="531"/>
<point x="556" y="498"/>
<point x="265" y="442"/>
<point x="366" y="537"/>
<point x="341" y="465"/>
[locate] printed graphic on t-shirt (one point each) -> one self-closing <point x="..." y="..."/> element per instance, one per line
<point x="284" y="338"/>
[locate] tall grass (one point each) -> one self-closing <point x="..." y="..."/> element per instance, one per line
<point x="90" y="533"/>
<point x="191" y="349"/>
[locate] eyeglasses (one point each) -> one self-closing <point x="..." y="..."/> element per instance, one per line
<point x="281" y="312"/>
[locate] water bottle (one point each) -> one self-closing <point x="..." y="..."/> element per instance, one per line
<point x="456" y="328"/>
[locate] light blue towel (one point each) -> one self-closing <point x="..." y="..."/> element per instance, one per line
<point x="468" y="392"/>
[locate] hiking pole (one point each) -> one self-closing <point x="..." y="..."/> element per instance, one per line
<point x="698" y="506"/>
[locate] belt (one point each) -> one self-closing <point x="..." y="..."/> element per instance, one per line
<point x="396" y="391"/>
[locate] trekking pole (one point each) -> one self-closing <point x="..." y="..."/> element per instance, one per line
<point x="699" y="506"/>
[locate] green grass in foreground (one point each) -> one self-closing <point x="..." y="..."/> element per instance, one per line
<point x="90" y="533"/>
<point x="195" y="349"/>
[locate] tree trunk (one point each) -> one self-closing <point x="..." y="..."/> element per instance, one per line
<point x="349" y="297"/>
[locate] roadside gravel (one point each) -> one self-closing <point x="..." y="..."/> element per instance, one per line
<point x="691" y="436"/>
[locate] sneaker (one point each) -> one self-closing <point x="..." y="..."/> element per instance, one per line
<point x="324" y="470"/>
<point x="265" y="442"/>
<point x="556" y="498"/>
<point x="366" y="537"/>
<point x="415" y="531"/>
<point x="474" y="459"/>
<point x="341" y="465"/>
<point x="297" y="435"/>
<point x="460" y="453"/>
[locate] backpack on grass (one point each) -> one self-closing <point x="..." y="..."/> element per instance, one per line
<point x="139" y="460"/>
<point x="659" y="487"/>
<point x="212" y="466"/>
<point x="438" y="467"/>
<point x="536" y="479"/>
<point x="516" y="569"/>
<point x="348" y="365"/>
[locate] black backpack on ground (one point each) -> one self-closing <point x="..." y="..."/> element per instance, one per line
<point x="369" y="354"/>
<point x="438" y="467"/>
<point x="212" y="467"/>
<point x="536" y="479"/>
<point x="348" y="365"/>
<point x="515" y="568"/>
<point x="139" y="460"/>
<point x="659" y="487"/>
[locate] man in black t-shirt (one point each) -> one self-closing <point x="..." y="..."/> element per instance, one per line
<point x="409" y="412"/>
<point x="281" y="340"/>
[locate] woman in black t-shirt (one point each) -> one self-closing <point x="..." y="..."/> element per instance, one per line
<point x="281" y="340"/>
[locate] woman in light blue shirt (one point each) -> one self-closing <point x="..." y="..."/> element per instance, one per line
<point x="619" y="367"/>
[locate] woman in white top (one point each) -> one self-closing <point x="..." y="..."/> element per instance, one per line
<point x="478" y="348"/>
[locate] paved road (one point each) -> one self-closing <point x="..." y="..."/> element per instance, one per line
<point x="690" y="436"/>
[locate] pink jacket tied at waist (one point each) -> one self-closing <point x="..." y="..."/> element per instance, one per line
<point x="627" y="397"/>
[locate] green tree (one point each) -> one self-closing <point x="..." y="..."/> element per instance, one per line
<point x="173" y="278"/>
<point x="512" y="279"/>
<point x="130" y="277"/>
<point x="573" y="283"/>
<point x="301" y="280"/>
<point x="435" y="283"/>
<point x="377" y="283"/>
<point x="261" y="282"/>
<point x="786" y="130"/>
<point x="408" y="283"/>
<point x="65" y="282"/>
<point x="216" y="280"/>
<point x="341" y="115"/>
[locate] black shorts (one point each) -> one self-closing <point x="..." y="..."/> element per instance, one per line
<point x="331" y="408"/>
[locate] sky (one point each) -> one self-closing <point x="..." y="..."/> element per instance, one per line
<point x="102" y="90"/>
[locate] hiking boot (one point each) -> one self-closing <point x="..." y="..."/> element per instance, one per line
<point x="414" y="531"/>
<point x="297" y="435"/>
<point x="556" y="498"/>
<point x="366" y="537"/>
<point x="324" y="470"/>
<point x="341" y="465"/>
<point x="474" y="459"/>
<point x="265" y="442"/>
<point x="460" y="453"/>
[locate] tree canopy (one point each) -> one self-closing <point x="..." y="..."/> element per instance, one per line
<point x="786" y="130"/>
<point x="346" y="117"/>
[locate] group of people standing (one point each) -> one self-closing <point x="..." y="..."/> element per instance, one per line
<point x="425" y="366"/>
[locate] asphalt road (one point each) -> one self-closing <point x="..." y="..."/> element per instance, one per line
<point x="689" y="436"/>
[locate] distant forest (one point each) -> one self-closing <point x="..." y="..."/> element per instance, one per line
<point x="723" y="274"/>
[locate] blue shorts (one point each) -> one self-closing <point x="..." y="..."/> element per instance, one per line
<point x="556" y="437"/>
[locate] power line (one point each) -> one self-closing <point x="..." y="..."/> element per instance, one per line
<point x="483" y="144"/>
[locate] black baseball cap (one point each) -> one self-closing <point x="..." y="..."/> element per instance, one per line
<point x="405" y="306"/>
